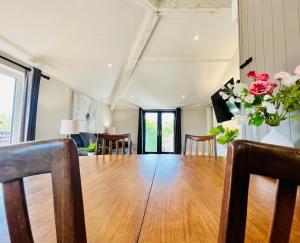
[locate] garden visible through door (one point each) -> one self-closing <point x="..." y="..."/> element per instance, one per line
<point x="159" y="132"/>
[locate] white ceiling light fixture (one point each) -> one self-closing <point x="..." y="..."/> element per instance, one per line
<point x="183" y="97"/>
<point x="131" y="96"/>
<point x="196" y="38"/>
<point x="109" y="65"/>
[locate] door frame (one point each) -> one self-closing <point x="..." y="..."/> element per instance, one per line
<point x="159" y="129"/>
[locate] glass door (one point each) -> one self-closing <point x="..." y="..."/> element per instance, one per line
<point x="159" y="132"/>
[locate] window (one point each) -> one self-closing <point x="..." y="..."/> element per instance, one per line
<point x="11" y="96"/>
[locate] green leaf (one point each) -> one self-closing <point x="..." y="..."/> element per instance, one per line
<point x="247" y="105"/>
<point x="256" y="121"/>
<point x="215" y="131"/>
<point x="257" y="101"/>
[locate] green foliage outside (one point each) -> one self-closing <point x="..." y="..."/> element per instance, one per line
<point x="224" y="135"/>
<point x="5" y="123"/>
<point x="151" y="136"/>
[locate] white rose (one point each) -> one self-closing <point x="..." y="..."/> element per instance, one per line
<point x="232" y="100"/>
<point x="224" y="96"/>
<point x="229" y="86"/>
<point x="238" y="89"/>
<point x="290" y="80"/>
<point x="249" y="98"/>
<point x="266" y="97"/>
<point x="270" y="107"/>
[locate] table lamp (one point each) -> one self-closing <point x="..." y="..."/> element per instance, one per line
<point x="69" y="127"/>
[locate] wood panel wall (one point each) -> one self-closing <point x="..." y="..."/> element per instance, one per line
<point x="269" y="31"/>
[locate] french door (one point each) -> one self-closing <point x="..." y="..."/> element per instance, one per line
<point x="159" y="132"/>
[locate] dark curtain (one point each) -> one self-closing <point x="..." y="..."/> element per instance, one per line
<point x="178" y="131"/>
<point x="31" y="95"/>
<point x="140" y="132"/>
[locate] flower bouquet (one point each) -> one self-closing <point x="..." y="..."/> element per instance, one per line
<point x="266" y="102"/>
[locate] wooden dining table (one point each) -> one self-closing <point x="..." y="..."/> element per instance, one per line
<point x="151" y="198"/>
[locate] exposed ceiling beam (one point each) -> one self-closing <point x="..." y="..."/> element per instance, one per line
<point x="193" y="4"/>
<point x="166" y="7"/>
<point x="181" y="60"/>
<point x="136" y="53"/>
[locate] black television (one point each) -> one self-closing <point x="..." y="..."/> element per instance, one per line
<point x="224" y="109"/>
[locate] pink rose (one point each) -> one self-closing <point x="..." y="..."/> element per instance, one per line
<point x="259" y="88"/>
<point x="262" y="77"/>
<point x="281" y="75"/>
<point x="297" y="70"/>
<point x="252" y="75"/>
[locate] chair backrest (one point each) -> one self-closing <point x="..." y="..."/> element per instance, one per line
<point x="58" y="157"/>
<point x="116" y="139"/>
<point x="245" y="158"/>
<point x="193" y="139"/>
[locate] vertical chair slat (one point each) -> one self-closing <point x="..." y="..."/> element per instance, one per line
<point x="16" y="212"/>
<point x="215" y="148"/>
<point x="203" y="139"/>
<point x="117" y="147"/>
<point x="283" y="212"/>
<point x="110" y="147"/>
<point x="123" y="146"/>
<point x="103" y="146"/>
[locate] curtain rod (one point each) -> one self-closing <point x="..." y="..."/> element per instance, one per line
<point x="22" y="66"/>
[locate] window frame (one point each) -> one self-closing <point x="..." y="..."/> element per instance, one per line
<point x="18" y="100"/>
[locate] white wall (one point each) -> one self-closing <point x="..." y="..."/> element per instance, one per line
<point x="270" y="33"/>
<point x="232" y="70"/>
<point x="104" y="117"/>
<point x="194" y="122"/>
<point x="126" y="121"/>
<point x="54" y="104"/>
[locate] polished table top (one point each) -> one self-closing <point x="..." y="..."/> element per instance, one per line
<point x="151" y="198"/>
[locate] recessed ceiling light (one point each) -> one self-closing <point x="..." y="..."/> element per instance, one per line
<point x="131" y="96"/>
<point x="196" y="37"/>
<point x="109" y="65"/>
<point x="183" y="97"/>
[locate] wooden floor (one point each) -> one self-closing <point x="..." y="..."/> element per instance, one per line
<point x="151" y="198"/>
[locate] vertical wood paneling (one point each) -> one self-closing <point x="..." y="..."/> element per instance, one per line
<point x="270" y="33"/>
<point x="259" y="35"/>
<point x="279" y="35"/>
<point x="243" y="21"/>
<point x="291" y="13"/>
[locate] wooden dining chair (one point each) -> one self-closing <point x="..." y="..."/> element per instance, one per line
<point x="112" y="139"/>
<point x="58" y="157"/>
<point x="245" y="158"/>
<point x="210" y="140"/>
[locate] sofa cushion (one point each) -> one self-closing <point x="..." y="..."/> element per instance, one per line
<point x="77" y="139"/>
<point x="87" y="138"/>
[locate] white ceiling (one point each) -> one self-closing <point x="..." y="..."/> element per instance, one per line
<point x="75" y="40"/>
<point x="174" y="65"/>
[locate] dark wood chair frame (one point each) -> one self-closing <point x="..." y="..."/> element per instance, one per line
<point x="243" y="159"/>
<point x="201" y="139"/>
<point x="117" y="138"/>
<point x="58" y="157"/>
